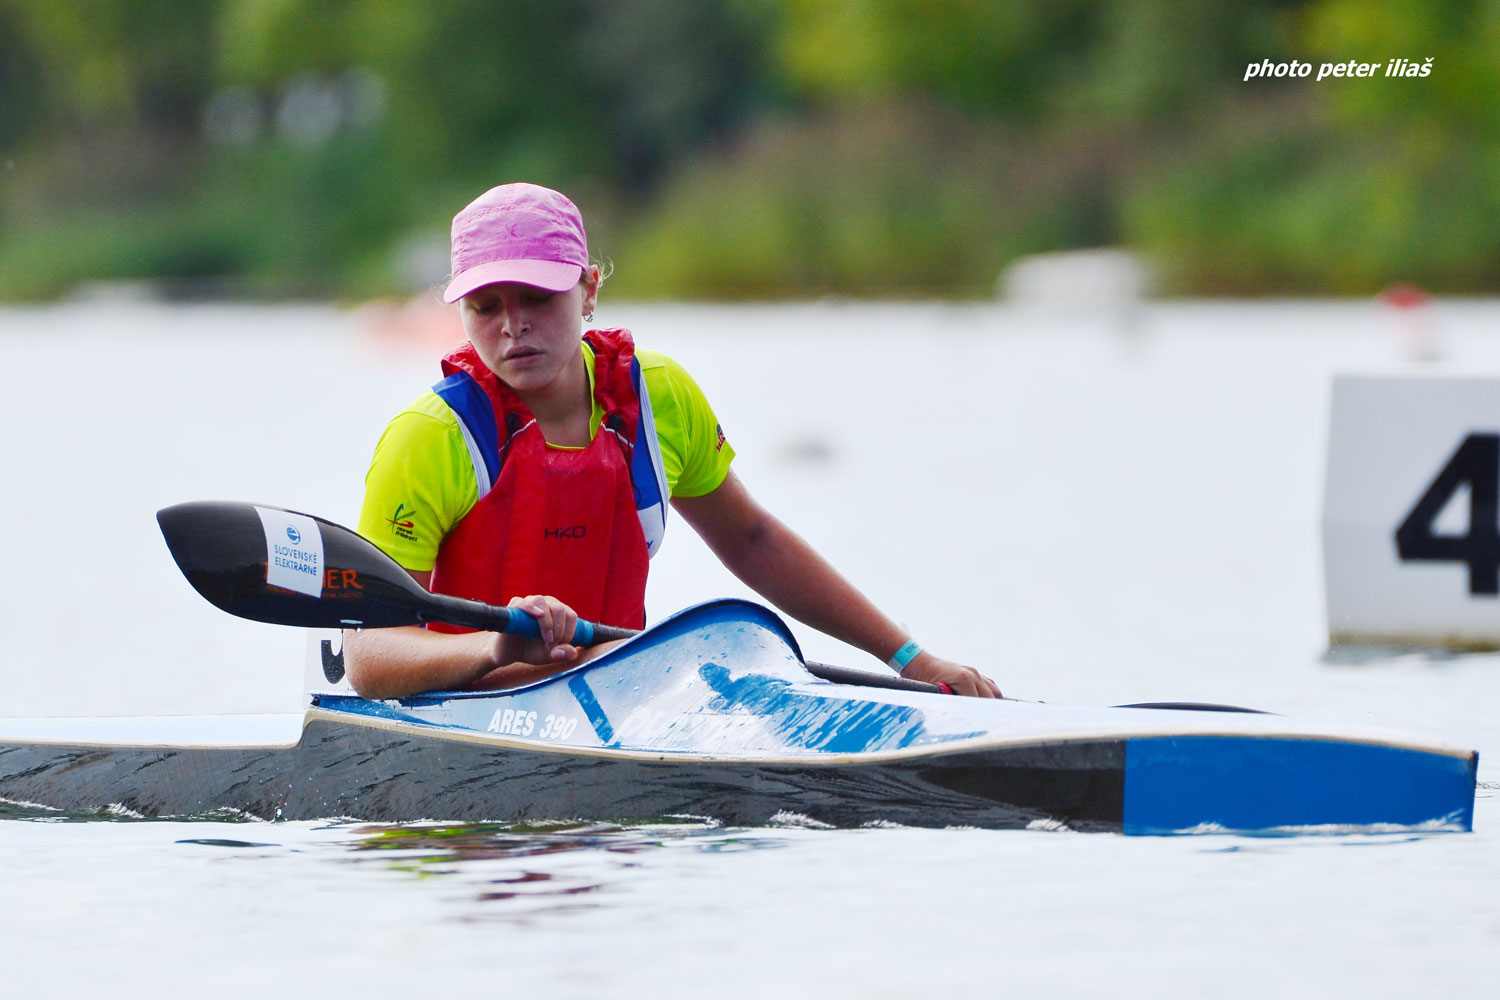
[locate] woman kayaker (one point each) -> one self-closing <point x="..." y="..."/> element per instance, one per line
<point x="538" y="473"/>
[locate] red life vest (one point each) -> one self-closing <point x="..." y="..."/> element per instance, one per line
<point x="563" y="522"/>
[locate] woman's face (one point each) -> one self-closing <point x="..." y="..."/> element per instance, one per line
<point x="528" y="336"/>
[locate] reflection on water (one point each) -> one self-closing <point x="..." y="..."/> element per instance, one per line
<point x="1306" y="840"/>
<point x="1353" y="654"/>
<point x="537" y="868"/>
<point x="223" y="842"/>
<point x="512" y="872"/>
<point x="465" y="842"/>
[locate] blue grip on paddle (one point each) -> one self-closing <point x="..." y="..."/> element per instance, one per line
<point x="523" y="624"/>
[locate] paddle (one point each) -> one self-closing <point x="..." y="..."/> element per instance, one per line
<point x="279" y="566"/>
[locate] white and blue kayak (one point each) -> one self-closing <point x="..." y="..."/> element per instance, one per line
<point x="714" y="713"/>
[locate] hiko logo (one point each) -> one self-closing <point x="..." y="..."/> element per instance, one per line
<point x="576" y="531"/>
<point x="293" y="534"/>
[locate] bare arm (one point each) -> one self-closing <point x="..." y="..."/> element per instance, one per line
<point x="395" y="662"/>
<point x="775" y="561"/>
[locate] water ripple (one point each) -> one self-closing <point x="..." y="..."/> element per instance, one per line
<point x="529" y="869"/>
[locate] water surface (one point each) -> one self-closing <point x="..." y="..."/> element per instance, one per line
<point x="1094" y="508"/>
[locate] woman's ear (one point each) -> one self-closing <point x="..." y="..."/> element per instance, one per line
<point x="591" y="281"/>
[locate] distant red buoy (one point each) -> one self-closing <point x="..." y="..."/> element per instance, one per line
<point x="1408" y="305"/>
<point x="1403" y="296"/>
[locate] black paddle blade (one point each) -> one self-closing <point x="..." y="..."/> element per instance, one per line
<point x="279" y="566"/>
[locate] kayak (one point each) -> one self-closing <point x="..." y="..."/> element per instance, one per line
<point x="714" y="713"/>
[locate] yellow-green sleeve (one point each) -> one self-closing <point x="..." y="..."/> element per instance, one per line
<point x="694" y="451"/>
<point x="420" y="484"/>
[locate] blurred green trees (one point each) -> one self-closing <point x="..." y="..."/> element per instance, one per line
<point x="748" y="147"/>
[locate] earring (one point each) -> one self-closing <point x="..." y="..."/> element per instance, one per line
<point x="588" y="318"/>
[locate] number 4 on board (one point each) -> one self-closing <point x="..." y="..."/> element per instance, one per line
<point x="1476" y="465"/>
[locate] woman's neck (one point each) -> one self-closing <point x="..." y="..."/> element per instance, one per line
<point x="564" y="408"/>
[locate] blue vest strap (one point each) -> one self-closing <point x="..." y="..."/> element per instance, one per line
<point x="476" y="418"/>
<point x="647" y="473"/>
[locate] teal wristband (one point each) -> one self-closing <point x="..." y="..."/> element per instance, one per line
<point x="904" y="655"/>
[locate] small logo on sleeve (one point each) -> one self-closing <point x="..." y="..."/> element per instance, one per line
<point x="402" y="525"/>
<point x="719" y="429"/>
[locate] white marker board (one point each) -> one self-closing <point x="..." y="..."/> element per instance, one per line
<point x="1411" y="529"/>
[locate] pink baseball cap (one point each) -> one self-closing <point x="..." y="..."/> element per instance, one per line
<point x="517" y="232"/>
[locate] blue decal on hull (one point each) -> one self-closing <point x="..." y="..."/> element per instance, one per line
<point x="592" y="709"/>
<point x="833" y="724"/>
<point x="1179" y="783"/>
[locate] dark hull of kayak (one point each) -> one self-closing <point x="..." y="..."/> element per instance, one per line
<point x="357" y="772"/>
<point x="371" y="773"/>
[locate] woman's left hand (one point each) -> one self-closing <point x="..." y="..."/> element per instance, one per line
<point x="962" y="679"/>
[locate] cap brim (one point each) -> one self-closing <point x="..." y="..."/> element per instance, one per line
<point x="548" y="274"/>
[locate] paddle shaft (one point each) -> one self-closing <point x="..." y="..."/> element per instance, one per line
<point x="284" y="567"/>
